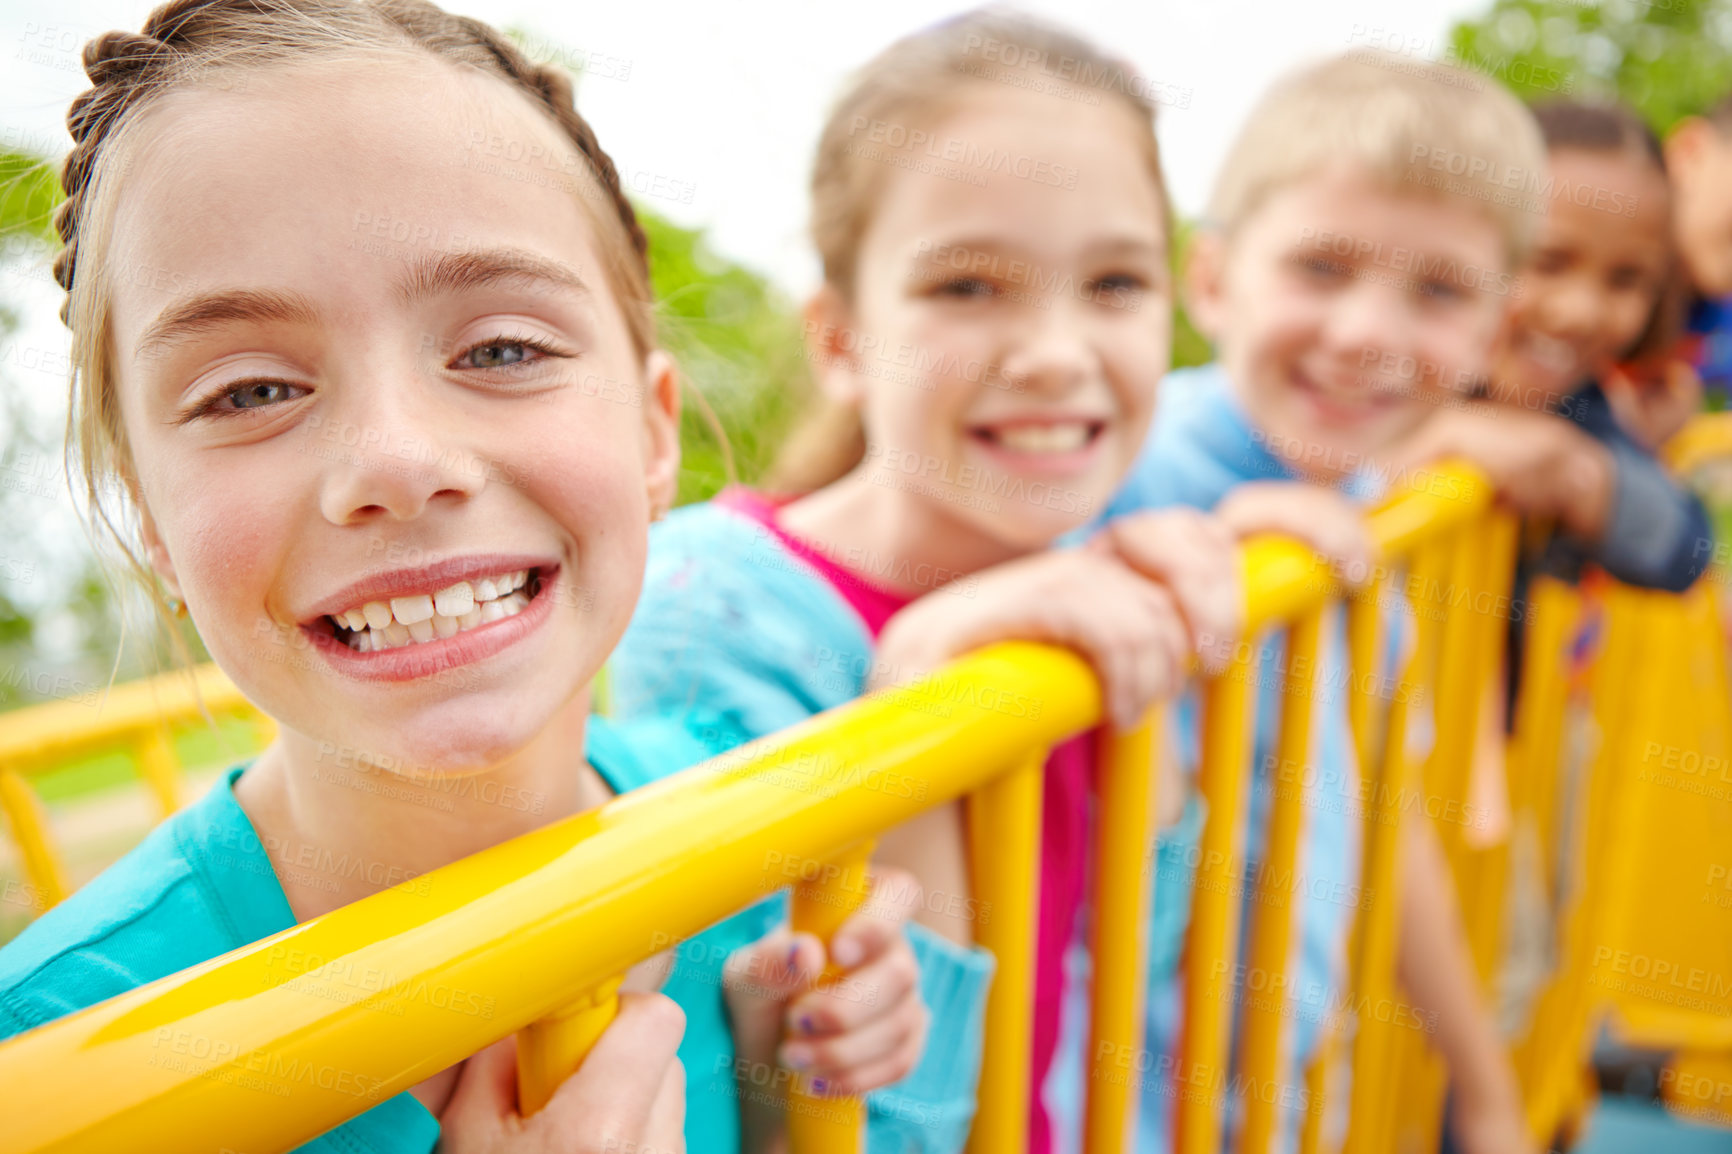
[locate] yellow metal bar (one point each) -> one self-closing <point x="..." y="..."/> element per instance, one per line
<point x="1364" y="632"/>
<point x="594" y="890"/>
<point x="159" y="767"/>
<point x="1004" y="843"/>
<point x="816" y="1124"/>
<point x="29" y="827"/>
<point x="1318" y="1080"/>
<point x="1123" y="879"/>
<point x="1372" y="1094"/>
<point x="1705" y="437"/>
<point x="40" y="737"/>
<point x="550" y="1050"/>
<point x="1273" y="913"/>
<point x="1211" y="939"/>
<point x="1459" y="694"/>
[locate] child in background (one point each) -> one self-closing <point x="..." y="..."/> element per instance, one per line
<point x="1348" y="283"/>
<point x="281" y="404"/>
<point x="1699" y="162"/>
<point x="994" y="318"/>
<point x="1596" y="294"/>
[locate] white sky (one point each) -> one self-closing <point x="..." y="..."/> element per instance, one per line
<point x="726" y="97"/>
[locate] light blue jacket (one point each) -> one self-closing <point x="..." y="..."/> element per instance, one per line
<point x="1202" y="445"/>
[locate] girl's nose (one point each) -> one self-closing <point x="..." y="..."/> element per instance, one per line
<point x="389" y="458"/>
<point x="1052" y="353"/>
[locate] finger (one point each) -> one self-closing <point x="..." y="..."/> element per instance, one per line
<point x="877" y="1075"/>
<point x="649" y="975"/>
<point x="667" y="1121"/>
<point x="486" y="1089"/>
<point x="836" y="1056"/>
<point x="856" y="998"/>
<point x="774" y="966"/>
<point x="877" y="924"/>
<point x="620" y="1081"/>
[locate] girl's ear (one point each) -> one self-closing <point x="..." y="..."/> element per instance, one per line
<point x="156" y="553"/>
<point x="831" y="341"/>
<point x="661" y="409"/>
<point x="1206" y="282"/>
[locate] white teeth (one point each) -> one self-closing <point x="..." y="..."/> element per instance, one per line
<point x="412" y="610"/>
<point x="1065" y="438"/>
<point x="422" y="617"/>
<point x="455" y="601"/>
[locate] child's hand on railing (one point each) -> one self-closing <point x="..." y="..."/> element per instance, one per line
<point x="1195" y="556"/>
<point x="864" y="1031"/>
<point x="1329" y="521"/>
<point x="1131" y="629"/>
<point x="629" y="1094"/>
<point x="1541" y="466"/>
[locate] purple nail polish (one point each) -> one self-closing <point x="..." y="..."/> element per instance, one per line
<point x="806" y="1026"/>
<point x="819" y="1086"/>
<point x="793" y="955"/>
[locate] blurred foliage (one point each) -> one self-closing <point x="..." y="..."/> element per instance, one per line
<point x="1668" y="58"/>
<point x="741" y="352"/>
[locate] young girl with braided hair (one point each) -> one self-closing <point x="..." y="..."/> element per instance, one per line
<point x="379" y="479"/>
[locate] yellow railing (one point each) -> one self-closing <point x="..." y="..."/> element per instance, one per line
<point x="603" y="890"/>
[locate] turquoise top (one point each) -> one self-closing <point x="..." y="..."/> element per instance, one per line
<point x="199" y="885"/>
<point x="202" y="884"/>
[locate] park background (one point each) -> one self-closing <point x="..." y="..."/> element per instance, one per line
<point x="712" y="112"/>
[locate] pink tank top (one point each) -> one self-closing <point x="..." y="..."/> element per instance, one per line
<point x="1064" y="835"/>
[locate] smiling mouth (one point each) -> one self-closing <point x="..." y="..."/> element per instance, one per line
<point x="421" y="618"/>
<point x="1046" y="439"/>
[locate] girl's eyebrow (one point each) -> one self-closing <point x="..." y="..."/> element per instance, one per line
<point x="460" y="271"/>
<point x="426" y="277"/>
<point x="206" y="311"/>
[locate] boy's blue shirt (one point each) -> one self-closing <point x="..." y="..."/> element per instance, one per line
<point x="201" y="884"/>
<point x="1201" y="445"/>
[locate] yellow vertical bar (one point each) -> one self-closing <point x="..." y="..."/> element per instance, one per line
<point x="1372" y="1095"/>
<point x="30" y="828"/>
<point x="1210" y="946"/>
<point x="159" y="767"/>
<point x="1004" y="845"/>
<point x="551" y="1050"/>
<point x="1122" y="884"/>
<point x="1458" y="693"/>
<point x="1272" y="913"/>
<point x="816" y="1124"/>
<point x="1364" y="635"/>
<point x="1317" y="1081"/>
<point x="1364" y="631"/>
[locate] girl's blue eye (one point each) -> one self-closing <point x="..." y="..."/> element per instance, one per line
<point x="258" y="394"/>
<point x="246" y="397"/>
<point x="496" y="355"/>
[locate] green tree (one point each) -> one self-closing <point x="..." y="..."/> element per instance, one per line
<point x="1668" y="58"/>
